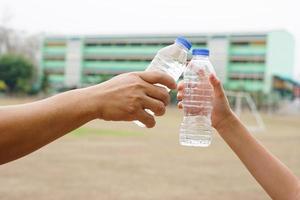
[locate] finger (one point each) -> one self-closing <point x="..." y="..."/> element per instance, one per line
<point x="180" y="86"/>
<point x="158" y="93"/>
<point x="191" y="109"/>
<point x="179" y="105"/>
<point x="180" y="95"/>
<point x="154" y="105"/>
<point x="146" y="119"/>
<point x="217" y="86"/>
<point x="154" y="77"/>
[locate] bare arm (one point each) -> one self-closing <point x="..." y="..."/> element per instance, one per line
<point x="276" y="179"/>
<point x="25" y="128"/>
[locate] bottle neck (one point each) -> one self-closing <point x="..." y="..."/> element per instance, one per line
<point x="181" y="46"/>
<point x="202" y="57"/>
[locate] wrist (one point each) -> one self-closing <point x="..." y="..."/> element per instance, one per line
<point x="226" y="123"/>
<point x="90" y="102"/>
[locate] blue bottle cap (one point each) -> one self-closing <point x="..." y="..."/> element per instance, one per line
<point x="202" y="52"/>
<point x="182" y="40"/>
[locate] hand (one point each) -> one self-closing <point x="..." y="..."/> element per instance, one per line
<point x="125" y="97"/>
<point x="221" y="112"/>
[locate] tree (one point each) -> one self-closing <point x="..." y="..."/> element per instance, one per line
<point x="16" y="72"/>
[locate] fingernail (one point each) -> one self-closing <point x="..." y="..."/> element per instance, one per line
<point x="215" y="78"/>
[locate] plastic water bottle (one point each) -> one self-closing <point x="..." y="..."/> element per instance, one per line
<point x="196" y="129"/>
<point x="171" y="60"/>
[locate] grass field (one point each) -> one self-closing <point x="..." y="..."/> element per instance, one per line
<point x="106" y="160"/>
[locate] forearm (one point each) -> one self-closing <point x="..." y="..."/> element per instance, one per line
<point x="276" y="179"/>
<point x="25" y="128"/>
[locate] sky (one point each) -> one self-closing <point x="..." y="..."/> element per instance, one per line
<point x="153" y="16"/>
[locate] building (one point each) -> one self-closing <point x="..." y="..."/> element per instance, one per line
<point x="243" y="61"/>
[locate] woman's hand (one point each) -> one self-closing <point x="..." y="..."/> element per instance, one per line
<point x="275" y="178"/>
<point x="221" y="113"/>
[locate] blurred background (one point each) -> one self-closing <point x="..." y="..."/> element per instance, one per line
<point x="47" y="47"/>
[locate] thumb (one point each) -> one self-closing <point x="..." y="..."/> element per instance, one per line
<point x="217" y="86"/>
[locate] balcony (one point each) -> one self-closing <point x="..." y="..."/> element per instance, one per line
<point x="122" y="50"/>
<point x="247" y="50"/>
<point x="53" y="64"/>
<point x="246" y="68"/>
<point x="54" y="50"/>
<point x="56" y="79"/>
<point x="245" y="85"/>
<point x="114" y="66"/>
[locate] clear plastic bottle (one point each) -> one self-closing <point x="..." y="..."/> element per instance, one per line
<point x="171" y="60"/>
<point x="196" y="129"/>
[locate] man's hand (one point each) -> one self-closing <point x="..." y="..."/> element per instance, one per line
<point x="25" y="128"/>
<point x="125" y="97"/>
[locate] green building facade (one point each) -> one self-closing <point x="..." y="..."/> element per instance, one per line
<point x="243" y="61"/>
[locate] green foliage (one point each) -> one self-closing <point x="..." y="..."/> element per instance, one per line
<point x="45" y="82"/>
<point x="16" y="72"/>
<point x="2" y="86"/>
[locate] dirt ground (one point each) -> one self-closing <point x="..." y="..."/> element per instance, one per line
<point x="106" y="160"/>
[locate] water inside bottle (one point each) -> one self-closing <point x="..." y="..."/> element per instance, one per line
<point x="196" y="128"/>
<point x="196" y="131"/>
